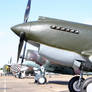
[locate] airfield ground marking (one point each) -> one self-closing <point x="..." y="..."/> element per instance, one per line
<point x="5" y="84"/>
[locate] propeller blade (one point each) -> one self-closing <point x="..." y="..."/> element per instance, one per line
<point x="26" y="16"/>
<point x="10" y="60"/>
<point x="24" y="53"/>
<point x="22" y="36"/>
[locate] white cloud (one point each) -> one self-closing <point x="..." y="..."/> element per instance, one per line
<point x="88" y="22"/>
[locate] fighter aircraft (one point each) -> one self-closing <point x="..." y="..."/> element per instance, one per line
<point x="42" y="65"/>
<point x="68" y="43"/>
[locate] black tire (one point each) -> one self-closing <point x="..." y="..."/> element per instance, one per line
<point x="72" y="84"/>
<point x="35" y="81"/>
<point x="20" y="76"/>
<point x="85" y="84"/>
<point x="42" y="80"/>
<point x="16" y="76"/>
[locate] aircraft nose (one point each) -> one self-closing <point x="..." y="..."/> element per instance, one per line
<point x="20" y="28"/>
<point x="15" y="29"/>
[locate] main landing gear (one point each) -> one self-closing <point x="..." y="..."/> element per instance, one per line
<point x="82" y="86"/>
<point x="79" y="84"/>
<point x="75" y="83"/>
<point x="40" y="76"/>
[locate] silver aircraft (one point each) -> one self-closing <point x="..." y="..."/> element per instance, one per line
<point x="43" y="65"/>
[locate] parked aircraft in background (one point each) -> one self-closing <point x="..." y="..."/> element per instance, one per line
<point x="65" y="43"/>
<point x="37" y="65"/>
<point x="21" y="71"/>
<point x="42" y="65"/>
<point x="6" y="67"/>
<point x="18" y="70"/>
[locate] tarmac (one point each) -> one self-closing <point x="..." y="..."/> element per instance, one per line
<point x="56" y="83"/>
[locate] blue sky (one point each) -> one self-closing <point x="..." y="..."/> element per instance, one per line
<point x="12" y="13"/>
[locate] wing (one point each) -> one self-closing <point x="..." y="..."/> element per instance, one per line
<point x="87" y="52"/>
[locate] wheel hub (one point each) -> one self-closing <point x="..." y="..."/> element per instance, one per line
<point x="89" y="88"/>
<point x="76" y="86"/>
<point x="42" y="80"/>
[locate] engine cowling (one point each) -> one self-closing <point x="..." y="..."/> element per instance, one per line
<point x="60" y="56"/>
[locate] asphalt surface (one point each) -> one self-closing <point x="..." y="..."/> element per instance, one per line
<point x="56" y="83"/>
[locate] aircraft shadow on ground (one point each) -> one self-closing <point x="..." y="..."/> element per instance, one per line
<point x="58" y="82"/>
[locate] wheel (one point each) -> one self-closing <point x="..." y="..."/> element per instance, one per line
<point x="16" y="75"/>
<point x="42" y="80"/>
<point x="73" y="84"/>
<point x="87" y="85"/>
<point x="20" y="76"/>
<point x="35" y="81"/>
